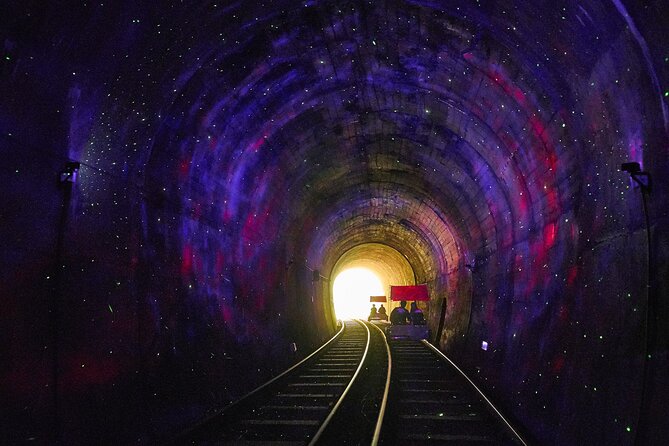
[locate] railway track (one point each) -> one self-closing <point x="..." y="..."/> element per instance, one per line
<point x="339" y="395"/>
<point x="434" y="403"/>
<point x="302" y="405"/>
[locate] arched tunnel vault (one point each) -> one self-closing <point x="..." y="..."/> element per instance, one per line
<point x="235" y="156"/>
<point x="410" y="223"/>
<point x="388" y="264"/>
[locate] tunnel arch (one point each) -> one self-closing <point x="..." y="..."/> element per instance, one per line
<point x="502" y="138"/>
<point x="499" y="154"/>
<point x="231" y="152"/>
<point x="387" y="263"/>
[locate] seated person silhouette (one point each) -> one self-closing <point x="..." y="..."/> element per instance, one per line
<point x="416" y="315"/>
<point x="400" y="315"/>
<point x="372" y="313"/>
<point x="382" y="313"/>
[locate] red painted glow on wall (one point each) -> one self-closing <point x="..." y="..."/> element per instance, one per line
<point x="523" y="206"/>
<point x="558" y="364"/>
<point x="550" y="235"/>
<point x="227" y="215"/>
<point x="551" y="160"/>
<point x="538" y="127"/>
<point x="257" y="144"/>
<point x="184" y="168"/>
<point x="572" y="274"/>
<point x="552" y="200"/>
<point x="80" y="372"/>
<point x="409" y="292"/>
<point x="187" y="259"/>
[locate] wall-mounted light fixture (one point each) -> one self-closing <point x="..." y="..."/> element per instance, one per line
<point x="69" y="173"/>
<point x="639" y="177"/>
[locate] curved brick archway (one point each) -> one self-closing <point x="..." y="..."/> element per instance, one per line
<point x="231" y="153"/>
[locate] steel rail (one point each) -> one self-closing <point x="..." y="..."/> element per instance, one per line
<point x="286" y="372"/>
<point x="475" y="387"/>
<point x="329" y="418"/>
<point x="257" y="390"/>
<point x="386" y="392"/>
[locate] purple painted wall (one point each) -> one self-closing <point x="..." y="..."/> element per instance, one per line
<point x="227" y="151"/>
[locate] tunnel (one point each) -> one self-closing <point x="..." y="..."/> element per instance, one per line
<point x="182" y="182"/>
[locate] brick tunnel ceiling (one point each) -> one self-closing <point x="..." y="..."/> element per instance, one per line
<point x="413" y="126"/>
<point x="232" y="152"/>
<point x="445" y="131"/>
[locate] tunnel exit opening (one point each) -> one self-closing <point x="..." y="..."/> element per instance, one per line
<point x="351" y="290"/>
<point x="369" y="269"/>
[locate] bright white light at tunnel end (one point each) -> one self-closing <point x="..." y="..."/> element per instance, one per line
<point x="351" y="290"/>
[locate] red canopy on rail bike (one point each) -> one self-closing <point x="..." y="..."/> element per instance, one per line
<point x="409" y="292"/>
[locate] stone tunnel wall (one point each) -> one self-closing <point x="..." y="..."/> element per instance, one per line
<point x="227" y="152"/>
<point x="164" y="309"/>
<point x="563" y="307"/>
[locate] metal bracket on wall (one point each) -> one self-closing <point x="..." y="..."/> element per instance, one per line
<point x="641" y="178"/>
<point x="70" y="173"/>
